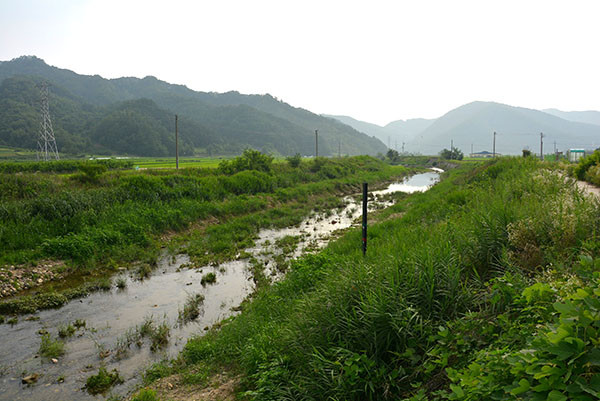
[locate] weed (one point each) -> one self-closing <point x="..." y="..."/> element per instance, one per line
<point x="12" y="321"/>
<point x="208" y="278"/>
<point x="190" y="309"/>
<point x="157" y="371"/>
<point x="160" y="336"/>
<point x="121" y="283"/>
<point x="50" y="348"/>
<point x="101" y="382"/>
<point x="144" y="271"/>
<point x="66" y="330"/>
<point x="79" y="323"/>
<point x="145" y="395"/>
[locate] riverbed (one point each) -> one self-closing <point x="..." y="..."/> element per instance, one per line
<point x="111" y="336"/>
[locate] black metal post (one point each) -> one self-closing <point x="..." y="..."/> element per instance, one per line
<point x="364" y="218"/>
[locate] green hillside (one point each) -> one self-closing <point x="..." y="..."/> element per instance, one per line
<point x="93" y="114"/>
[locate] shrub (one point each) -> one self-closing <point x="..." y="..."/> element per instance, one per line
<point x="584" y="164"/>
<point x="294" y="161"/>
<point x="249" y="160"/>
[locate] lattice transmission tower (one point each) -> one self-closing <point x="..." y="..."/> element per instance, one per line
<point x="46" y="142"/>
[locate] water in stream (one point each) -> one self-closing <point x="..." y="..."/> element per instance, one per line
<point x="109" y="315"/>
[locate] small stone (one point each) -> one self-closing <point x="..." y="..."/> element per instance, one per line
<point x="169" y="385"/>
<point x="54" y="360"/>
<point x="30" y="379"/>
<point x="40" y="281"/>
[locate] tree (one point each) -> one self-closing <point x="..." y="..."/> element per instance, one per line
<point x="452" y="154"/>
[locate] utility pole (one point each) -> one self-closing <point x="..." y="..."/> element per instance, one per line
<point x="471" y="150"/>
<point x="316" y="143"/>
<point x="541" y="146"/>
<point x="494" y="150"/>
<point x="176" y="144"/>
<point x="364" y="217"/>
<point x="402" y="147"/>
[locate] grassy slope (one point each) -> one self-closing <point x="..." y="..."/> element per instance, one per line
<point x="476" y="269"/>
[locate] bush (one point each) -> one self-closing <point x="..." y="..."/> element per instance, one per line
<point x="249" y="160"/>
<point x="294" y="161"/>
<point x="584" y="164"/>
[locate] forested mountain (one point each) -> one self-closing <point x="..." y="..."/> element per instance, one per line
<point x="135" y="116"/>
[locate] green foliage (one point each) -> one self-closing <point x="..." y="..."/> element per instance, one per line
<point x="90" y="172"/>
<point x="66" y="330"/>
<point x="585" y="164"/>
<point x="561" y="361"/>
<point x="452" y="154"/>
<point x="460" y="281"/>
<point x="116" y="215"/>
<point x="526" y="152"/>
<point x="101" y="382"/>
<point x="50" y="348"/>
<point x="191" y="308"/>
<point x="65" y="166"/>
<point x="249" y="160"/>
<point x="145" y="395"/>
<point x="208" y="278"/>
<point x="294" y="161"/>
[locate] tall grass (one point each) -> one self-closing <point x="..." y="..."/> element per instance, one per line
<point x="117" y="214"/>
<point x="341" y="326"/>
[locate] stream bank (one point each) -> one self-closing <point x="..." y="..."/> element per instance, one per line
<point x="112" y="323"/>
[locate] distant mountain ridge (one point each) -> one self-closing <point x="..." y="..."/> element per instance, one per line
<point x="588" y="117"/>
<point x="395" y="133"/>
<point x="219" y="123"/>
<point x="472" y="125"/>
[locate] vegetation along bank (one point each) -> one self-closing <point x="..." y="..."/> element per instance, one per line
<point x="484" y="287"/>
<point x="86" y="219"/>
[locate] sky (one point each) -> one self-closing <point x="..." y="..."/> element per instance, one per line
<point x="376" y="61"/>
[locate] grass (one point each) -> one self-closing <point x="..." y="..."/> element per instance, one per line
<point x="145" y="395"/>
<point x="50" y="348"/>
<point x="101" y="382"/>
<point x="66" y="331"/>
<point x="191" y="308"/>
<point x="474" y="272"/>
<point x="122" y="215"/>
<point x="208" y="278"/>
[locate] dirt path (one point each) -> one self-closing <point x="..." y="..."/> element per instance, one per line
<point x="589" y="188"/>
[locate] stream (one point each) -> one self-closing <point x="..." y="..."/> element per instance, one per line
<point x="112" y="317"/>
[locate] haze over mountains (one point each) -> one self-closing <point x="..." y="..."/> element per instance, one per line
<point x="136" y="116"/>
<point x="473" y="124"/>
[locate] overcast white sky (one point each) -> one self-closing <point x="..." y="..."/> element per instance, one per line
<point x="374" y="60"/>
